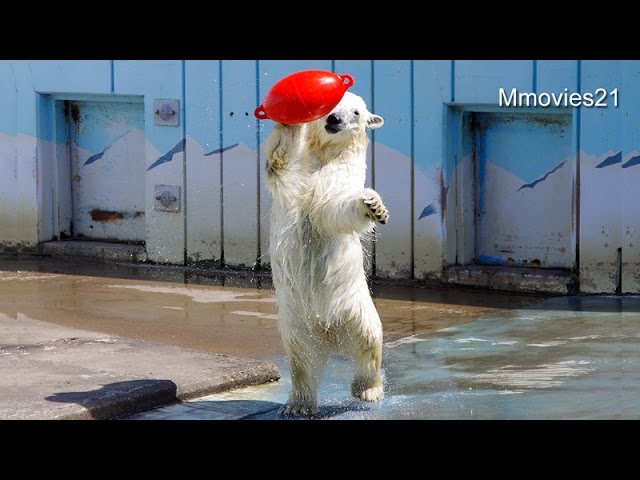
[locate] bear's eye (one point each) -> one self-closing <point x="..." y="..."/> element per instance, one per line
<point x="356" y="112"/>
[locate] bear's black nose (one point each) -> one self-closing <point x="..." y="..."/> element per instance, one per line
<point x="333" y="119"/>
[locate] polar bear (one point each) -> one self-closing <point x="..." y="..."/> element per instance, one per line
<point x="316" y="173"/>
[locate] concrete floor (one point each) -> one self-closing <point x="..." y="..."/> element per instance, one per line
<point x="449" y="353"/>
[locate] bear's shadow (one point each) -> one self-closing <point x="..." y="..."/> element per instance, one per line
<point x="324" y="412"/>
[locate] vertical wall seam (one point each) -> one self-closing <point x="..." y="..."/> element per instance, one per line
<point x="534" y="75"/>
<point x="55" y="194"/>
<point x="413" y="167"/>
<point x="577" y="171"/>
<point x="453" y="81"/>
<point x="373" y="132"/>
<point x="221" y="138"/>
<point x="619" y="275"/>
<point x="333" y="66"/>
<point x="183" y="103"/>
<point x="373" y="159"/>
<point x="113" y="76"/>
<point x="258" y="262"/>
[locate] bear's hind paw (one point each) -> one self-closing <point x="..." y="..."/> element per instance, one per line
<point x="298" y="409"/>
<point x="372" y="394"/>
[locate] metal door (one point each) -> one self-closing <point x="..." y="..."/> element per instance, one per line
<point x="107" y="147"/>
<point x="524" y="167"/>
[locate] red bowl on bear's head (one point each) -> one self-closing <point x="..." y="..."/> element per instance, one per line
<point x="303" y="96"/>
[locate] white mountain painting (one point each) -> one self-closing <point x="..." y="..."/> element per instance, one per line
<point x="109" y="189"/>
<point x="600" y="217"/>
<point x="525" y="222"/>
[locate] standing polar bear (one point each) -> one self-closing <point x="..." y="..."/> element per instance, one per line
<point x="316" y="174"/>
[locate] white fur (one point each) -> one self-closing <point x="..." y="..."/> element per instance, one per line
<point x="320" y="211"/>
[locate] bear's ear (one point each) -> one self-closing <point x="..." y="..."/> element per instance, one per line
<point x="375" y="121"/>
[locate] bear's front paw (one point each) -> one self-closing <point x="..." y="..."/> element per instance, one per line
<point x="278" y="147"/>
<point x="298" y="409"/>
<point x="374" y="206"/>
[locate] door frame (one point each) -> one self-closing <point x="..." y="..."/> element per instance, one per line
<point x="54" y="160"/>
<point x="459" y="166"/>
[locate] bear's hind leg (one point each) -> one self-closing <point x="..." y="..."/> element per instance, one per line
<point x="367" y="384"/>
<point x="305" y="365"/>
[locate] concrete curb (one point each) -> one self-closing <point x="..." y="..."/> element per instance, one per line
<point x="150" y="394"/>
<point x="255" y="375"/>
<point x="55" y="372"/>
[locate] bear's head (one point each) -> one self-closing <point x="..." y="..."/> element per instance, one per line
<point x="346" y="122"/>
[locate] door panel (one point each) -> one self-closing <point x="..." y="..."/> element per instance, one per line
<point x="107" y="170"/>
<point x="524" y="189"/>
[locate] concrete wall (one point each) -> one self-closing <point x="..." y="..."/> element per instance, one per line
<point x="216" y="159"/>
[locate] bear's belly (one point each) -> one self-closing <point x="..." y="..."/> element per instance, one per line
<point x="318" y="279"/>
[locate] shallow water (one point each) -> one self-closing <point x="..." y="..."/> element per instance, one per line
<point x="565" y="358"/>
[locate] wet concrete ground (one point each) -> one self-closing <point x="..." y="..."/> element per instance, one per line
<point x="564" y="358"/>
<point x="449" y="353"/>
<point x="54" y="372"/>
<point x="213" y="314"/>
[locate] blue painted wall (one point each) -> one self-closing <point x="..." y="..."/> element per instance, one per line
<point x="215" y="154"/>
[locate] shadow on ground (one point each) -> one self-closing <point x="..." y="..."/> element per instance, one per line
<point x="249" y="409"/>
<point x="324" y="412"/>
<point x="212" y="410"/>
<point x="116" y="399"/>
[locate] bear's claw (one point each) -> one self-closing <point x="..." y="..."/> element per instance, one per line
<point x="377" y="209"/>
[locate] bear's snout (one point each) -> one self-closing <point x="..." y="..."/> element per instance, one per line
<point x="333" y="119"/>
<point x="334" y="123"/>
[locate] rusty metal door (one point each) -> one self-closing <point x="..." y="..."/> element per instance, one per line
<point x="524" y="165"/>
<point x="107" y="148"/>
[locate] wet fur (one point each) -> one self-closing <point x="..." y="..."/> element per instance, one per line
<point x="320" y="211"/>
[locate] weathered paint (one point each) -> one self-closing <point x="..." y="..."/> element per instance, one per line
<point x="108" y="195"/>
<point x="600" y="179"/>
<point x="524" y="178"/>
<point x="630" y="179"/>
<point x="165" y="231"/>
<point x="460" y="185"/>
<point x="19" y="203"/>
<point x="423" y="102"/>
